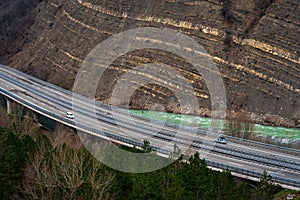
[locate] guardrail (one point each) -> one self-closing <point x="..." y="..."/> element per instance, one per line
<point x="235" y="139"/>
<point x="232" y="151"/>
<point x="277" y="179"/>
<point x="76" y="124"/>
<point x="254" y="174"/>
<point x="264" y="145"/>
<point x="172" y="125"/>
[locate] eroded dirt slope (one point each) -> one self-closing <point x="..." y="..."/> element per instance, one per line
<point x="254" y="43"/>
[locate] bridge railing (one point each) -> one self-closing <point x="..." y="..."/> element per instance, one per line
<point x="206" y="130"/>
<point x="254" y="174"/>
<point x="242" y="171"/>
<point x="183" y="127"/>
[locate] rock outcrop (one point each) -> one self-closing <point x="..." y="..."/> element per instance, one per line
<point x="255" y="45"/>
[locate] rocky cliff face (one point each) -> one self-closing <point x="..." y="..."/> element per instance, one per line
<point x="255" y="45"/>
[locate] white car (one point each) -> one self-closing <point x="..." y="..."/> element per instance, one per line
<point x="70" y="115"/>
<point x="221" y="139"/>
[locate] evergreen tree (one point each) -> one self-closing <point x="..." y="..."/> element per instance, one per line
<point x="15" y="151"/>
<point x="266" y="187"/>
<point x="146" y="147"/>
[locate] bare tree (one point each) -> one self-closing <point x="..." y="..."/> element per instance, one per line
<point x="20" y="120"/>
<point x="239" y="125"/>
<point x="62" y="170"/>
<point x="39" y="177"/>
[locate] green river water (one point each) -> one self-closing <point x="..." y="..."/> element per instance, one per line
<point x="279" y="132"/>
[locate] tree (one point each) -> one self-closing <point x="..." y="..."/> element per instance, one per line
<point x="15" y="150"/>
<point x="239" y="125"/>
<point x="65" y="173"/>
<point x="146" y="147"/>
<point x="176" y="154"/>
<point x="266" y="187"/>
<point x="21" y="121"/>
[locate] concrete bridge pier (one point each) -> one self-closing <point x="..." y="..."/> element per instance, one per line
<point x="8" y="105"/>
<point x="35" y="117"/>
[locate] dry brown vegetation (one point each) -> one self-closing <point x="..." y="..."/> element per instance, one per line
<point x="20" y="120"/>
<point x="255" y="45"/>
<point x="62" y="171"/>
